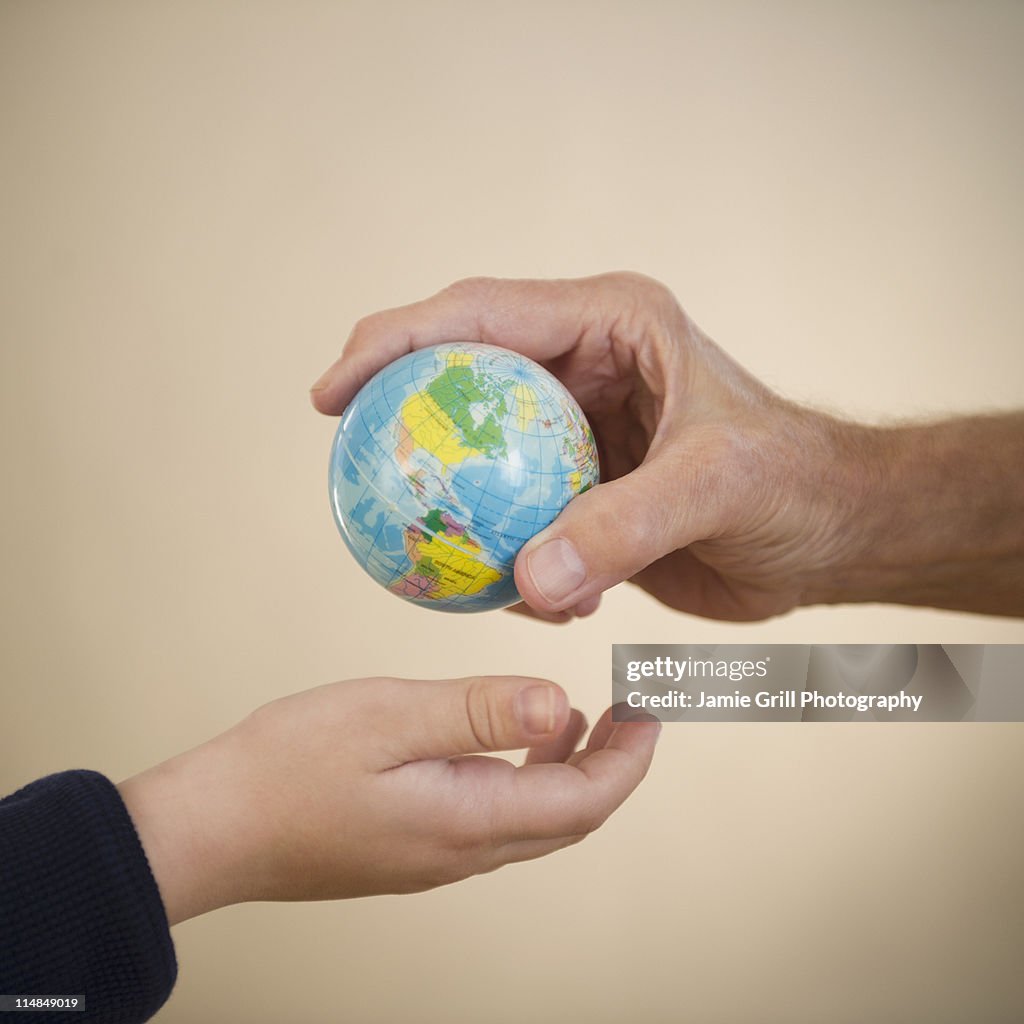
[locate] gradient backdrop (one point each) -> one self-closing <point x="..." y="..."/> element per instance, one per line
<point x="198" y="199"/>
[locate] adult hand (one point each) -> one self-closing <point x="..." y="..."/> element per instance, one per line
<point x="373" y="786"/>
<point x="714" y="493"/>
<point x="719" y="497"/>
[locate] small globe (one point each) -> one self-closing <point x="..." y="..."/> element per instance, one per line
<point x="447" y="462"/>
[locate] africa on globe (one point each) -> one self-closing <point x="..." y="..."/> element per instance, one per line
<point x="447" y="462"/>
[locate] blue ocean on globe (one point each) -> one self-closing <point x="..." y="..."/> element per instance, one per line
<point x="447" y="462"/>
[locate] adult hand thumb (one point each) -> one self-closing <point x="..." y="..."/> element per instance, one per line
<point x="601" y="538"/>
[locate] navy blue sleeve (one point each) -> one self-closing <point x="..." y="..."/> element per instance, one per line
<point x="80" y="911"/>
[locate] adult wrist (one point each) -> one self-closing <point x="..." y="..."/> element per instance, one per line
<point x="862" y="489"/>
<point x="931" y="516"/>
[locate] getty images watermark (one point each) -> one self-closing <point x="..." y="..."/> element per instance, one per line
<point x="819" y="682"/>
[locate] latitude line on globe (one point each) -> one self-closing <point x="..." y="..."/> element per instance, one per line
<point x="511" y="505"/>
<point x="389" y="503"/>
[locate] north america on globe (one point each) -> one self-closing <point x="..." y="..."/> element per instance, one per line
<point x="447" y="462"/>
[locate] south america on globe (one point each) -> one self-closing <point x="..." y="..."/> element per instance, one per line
<point x="447" y="462"/>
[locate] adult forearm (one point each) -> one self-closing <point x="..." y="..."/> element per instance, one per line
<point x="937" y="516"/>
<point x="719" y="497"/>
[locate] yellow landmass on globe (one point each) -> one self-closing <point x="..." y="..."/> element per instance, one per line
<point x="429" y="427"/>
<point x="527" y="405"/>
<point x="455" y="570"/>
<point x="459" y="359"/>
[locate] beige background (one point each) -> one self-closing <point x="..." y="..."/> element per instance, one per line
<point x="197" y="201"/>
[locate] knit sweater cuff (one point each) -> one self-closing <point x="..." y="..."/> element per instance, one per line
<point x="80" y="911"/>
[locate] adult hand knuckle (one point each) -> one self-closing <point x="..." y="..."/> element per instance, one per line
<point x="648" y="289"/>
<point x="364" y="327"/>
<point x="468" y="288"/>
